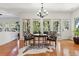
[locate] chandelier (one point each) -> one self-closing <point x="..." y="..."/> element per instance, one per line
<point x="42" y="13"/>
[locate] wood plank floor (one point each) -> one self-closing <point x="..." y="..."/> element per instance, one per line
<point x="64" y="48"/>
<point x="9" y="49"/>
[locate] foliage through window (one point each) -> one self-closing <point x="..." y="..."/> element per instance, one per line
<point x="36" y="27"/>
<point x="55" y="26"/>
<point x="46" y="27"/>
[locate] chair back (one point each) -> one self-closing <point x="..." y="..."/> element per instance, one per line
<point x="52" y="35"/>
<point x="27" y="36"/>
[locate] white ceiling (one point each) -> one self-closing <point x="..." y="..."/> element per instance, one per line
<point x="22" y="8"/>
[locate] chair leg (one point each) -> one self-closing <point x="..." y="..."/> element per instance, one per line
<point x="49" y="42"/>
<point x="55" y="44"/>
<point x="46" y="42"/>
<point x="33" y="42"/>
<point x="29" y="42"/>
<point x="24" y="43"/>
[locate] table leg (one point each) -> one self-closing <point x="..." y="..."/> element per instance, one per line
<point x="38" y="41"/>
<point x="43" y="39"/>
<point x="33" y="41"/>
<point x="29" y="42"/>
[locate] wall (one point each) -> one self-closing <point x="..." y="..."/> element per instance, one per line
<point x="52" y="15"/>
<point x="6" y="37"/>
<point x="75" y="13"/>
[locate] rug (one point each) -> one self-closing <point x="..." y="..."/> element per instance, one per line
<point x="35" y="50"/>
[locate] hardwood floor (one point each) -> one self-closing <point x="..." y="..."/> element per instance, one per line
<point x="9" y="49"/>
<point x="64" y="48"/>
<point x="68" y="48"/>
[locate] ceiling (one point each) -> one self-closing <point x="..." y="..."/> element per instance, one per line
<point x="22" y="8"/>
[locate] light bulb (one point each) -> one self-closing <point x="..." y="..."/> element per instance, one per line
<point x="44" y="10"/>
<point x="39" y="11"/>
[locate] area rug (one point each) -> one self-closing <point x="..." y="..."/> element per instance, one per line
<point x="35" y="50"/>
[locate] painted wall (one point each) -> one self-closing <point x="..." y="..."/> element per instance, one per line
<point x="6" y="37"/>
<point x="75" y="13"/>
<point x="53" y="16"/>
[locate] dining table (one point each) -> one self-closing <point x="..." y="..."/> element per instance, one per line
<point x="38" y="37"/>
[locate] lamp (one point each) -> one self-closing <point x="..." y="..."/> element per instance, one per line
<point x="42" y="13"/>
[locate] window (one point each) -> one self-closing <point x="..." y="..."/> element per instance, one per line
<point x="66" y="25"/>
<point x="77" y="23"/>
<point x="46" y="27"/>
<point x="26" y="25"/>
<point x="36" y="27"/>
<point x="10" y="26"/>
<point x="55" y="26"/>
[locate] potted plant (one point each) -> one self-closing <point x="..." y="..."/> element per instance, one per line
<point x="76" y="38"/>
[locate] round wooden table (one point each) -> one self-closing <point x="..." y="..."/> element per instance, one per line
<point x="43" y="36"/>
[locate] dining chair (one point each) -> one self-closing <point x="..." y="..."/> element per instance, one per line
<point x="52" y="37"/>
<point x="28" y="37"/>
